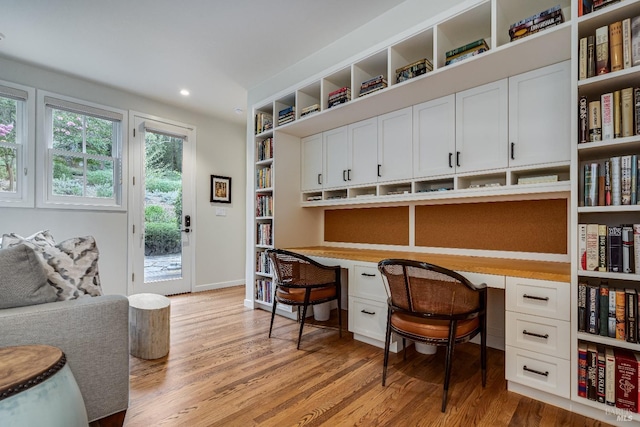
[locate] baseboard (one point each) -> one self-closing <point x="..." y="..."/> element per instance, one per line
<point x="220" y="285"/>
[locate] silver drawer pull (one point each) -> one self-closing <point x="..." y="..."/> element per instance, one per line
<point x="533" y="334"/>
<point x="544" y="374"/>
<point x="535" y="297"/>
<point x="368" y="274"/>
<point x="368" y="312"/>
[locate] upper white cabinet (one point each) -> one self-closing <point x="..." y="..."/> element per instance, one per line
<point x="335" y="155"/>
<point x="540" y="116"/>
<point x="311" y="162"/>
<point x="481" y="127"/>
<point x="434" y="137"/>
<point x="363" y="154"/>
<point x="395" y="145"/>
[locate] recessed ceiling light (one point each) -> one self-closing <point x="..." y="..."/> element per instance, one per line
<point x="184" y="92"/>
<point x="1" y="37"/>
<point x="238" y="110"/>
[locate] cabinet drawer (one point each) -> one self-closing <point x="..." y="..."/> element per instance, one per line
<point x="539" y="334"/>
<point x="550" y="374"/>
<point x="539" y="297"/>
<point x="367" y="283"/>
<point x="491" y="280"/>
<point x="368" y="318"/>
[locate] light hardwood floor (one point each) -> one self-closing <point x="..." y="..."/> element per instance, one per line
<point x="222" y="370"/>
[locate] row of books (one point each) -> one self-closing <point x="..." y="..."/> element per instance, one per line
<point x="264" y="149"/>
<point x="609" y="248"/>
<point x="611" y="182"/>
<point x="264" y="236"/>
<point x="614" y="115"/>
<point x="286" y="115"/>
<point x="339" y="96"/>
<point x="588" y="6"/>
<point x="608" y="311"/>
<point x="414" y="69"/>
<point x="263" y="291"/>
<point x="613" y="47"/>
<point x="535" y="23"/>
<point x="263" y="264"/>
<point x="310" y="110"/>
<point x="263" y="177"/>
<point x="263" y="122"/>
<point x="467" y="51"/>
<point x="264" y="205"/>
<point x="372" y="85"/>
<point x="609" y="375"/>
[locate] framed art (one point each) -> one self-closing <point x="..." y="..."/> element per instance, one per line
<point x="220" y="189"/>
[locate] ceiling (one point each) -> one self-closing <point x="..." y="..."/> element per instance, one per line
<point x="215" y="49"/>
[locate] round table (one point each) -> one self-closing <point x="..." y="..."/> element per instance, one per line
<point x="149" y="331"/>
<point x="37" y="388"/>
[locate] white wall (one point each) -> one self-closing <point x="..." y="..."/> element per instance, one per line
<point x="221" y="150"/>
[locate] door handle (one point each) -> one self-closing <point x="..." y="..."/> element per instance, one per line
<point x="450" y="159"/>
<point x="319" y="179"/>
<point x="344" y="174"/>
<point x="379" y="174"/>
<point x="348" y="174"/>
<point x="186" y="230"/>
<point x="513" y="145"/>
<point x="458" y="158"/>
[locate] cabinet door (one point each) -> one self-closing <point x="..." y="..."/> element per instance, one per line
<point x="335" y="150"/>
<point x="481" y="127"/>
<point x="434" y="137"/>
<point x="539" y="116"/>
<point x="363" y="152"/>
<point x="395" y="145"/>
<point x="311" y="158"/>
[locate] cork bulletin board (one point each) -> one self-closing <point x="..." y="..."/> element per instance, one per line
<point x="538" y="226"/>
<point x="382" y="226"/>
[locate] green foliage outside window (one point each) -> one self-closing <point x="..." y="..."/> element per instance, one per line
<point x="8" y="162"/>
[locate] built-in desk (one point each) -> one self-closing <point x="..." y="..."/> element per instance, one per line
<point x="528" y="313"/>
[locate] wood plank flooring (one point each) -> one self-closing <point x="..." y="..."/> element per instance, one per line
<point x="222" y="370"/>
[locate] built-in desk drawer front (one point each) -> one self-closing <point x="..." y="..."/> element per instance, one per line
<point x="367" y="283"/>
<point x="539" y="298"/>
<point x="550" y="374"/>
<point x="539" y="334"/>
<point x="368" y="318"/>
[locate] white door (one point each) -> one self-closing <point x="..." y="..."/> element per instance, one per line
<point x="363" y="152"/>
<point x="540" y="116"/>
<point x="482" y="127"/>
<point x="311" y="157"/>
<point x="161" y="212"/>
<point x="335" y="150"/>
<point x="434" y="137"/>
<point x="395" y="145"/>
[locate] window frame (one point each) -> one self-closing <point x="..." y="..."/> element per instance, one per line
<point x="24" y="197"/>
<point x="45" y="152"/>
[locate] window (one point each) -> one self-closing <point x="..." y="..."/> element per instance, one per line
<point x="17" y="115"/>
<point x="82" y="160"/>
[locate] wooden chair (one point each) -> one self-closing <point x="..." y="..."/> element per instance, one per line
<point x="436" y="306"/>
<point x="300" y="281"/>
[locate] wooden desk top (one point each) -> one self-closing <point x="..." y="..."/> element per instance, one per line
<point x="543" y="270"/>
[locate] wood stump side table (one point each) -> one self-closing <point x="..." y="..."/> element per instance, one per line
<point x="37" y="388"/>
<point x="149" y="329"/>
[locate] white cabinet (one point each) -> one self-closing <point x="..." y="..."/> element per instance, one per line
<point x="311" y="162"/>
<point x="395" y="145"/>
<point x="434" y="137"/>
<point x="335" y="156"/>
<point x="362" y="152"/>
<point x="482" y="127"/>
<point x="540" y="116"/>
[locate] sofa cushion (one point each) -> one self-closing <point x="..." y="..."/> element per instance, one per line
<point x="71" y="266"/>
<point x="23" y="280"/>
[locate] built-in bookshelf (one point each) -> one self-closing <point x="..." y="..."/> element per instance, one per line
<point x="606" y="281"/>
<point x="263" y="213"/>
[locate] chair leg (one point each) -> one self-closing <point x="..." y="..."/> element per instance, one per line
<point x="387" y="342"/>
<point x="404" y="348"/>
<point x="339" y="316"/>
<point x="307" y="296"/>
<point x="447" y="364"/>
<point x="273" y="314"/>
<point x="483" y="349"/>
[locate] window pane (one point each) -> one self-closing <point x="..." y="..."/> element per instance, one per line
<point x="100" y="178"/>
<point x="8" y="112"/>
<point x="68" y="176"/>
<point x="67" y="131"/>
<point x="99" y="136"/>
<point x="8" y="166"/>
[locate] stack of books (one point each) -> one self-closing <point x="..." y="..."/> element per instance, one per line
<point x="339" y="96"/>
<point x="588" y="6"/>
<point x="263" y="122"/>
<point x="467" y="51"/>
<point x="287" y="115"/>
<point x="310" y="110"/>
<point x="609" y="248"/>
<point x="413" y="70"/>
<point x="540" y="21"/>
<point x="372" y="85"/>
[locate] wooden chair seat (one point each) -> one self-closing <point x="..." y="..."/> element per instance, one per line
<point x="432" y="329"/>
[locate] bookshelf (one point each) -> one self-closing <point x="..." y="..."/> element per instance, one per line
<point x="584" y="212"/>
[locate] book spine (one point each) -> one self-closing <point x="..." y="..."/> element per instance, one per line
<point x="602" y="247"/>
<point x="582" y="246"/>
<point x="592" y="372"/>
<point x="583" y="120"/>
<point x="626" y="380"/>
<point x="625" y="180"/>
<point x="542" y="14"/>
<point x="614" y="240"/>
<point x="602" y="50"/>
<point x="465" y="55"/>
<point x="636" y="109"/>
<point x="620" y="315"/>
<point x="582" y="369"/>
<point x="607" y="183"/>
<point x="582" y="307"/>
<point x="634" y="179"/>
<point x="616" y="189"/>
<point x="610" y="375"/>
<point x="635" y="41"/>
<point x="603" y="323"/>
<point x="591" y="56"/>
<point x="582" y="59"/>
<point x="592" y="247"/>
<point x="593" y="310"/>
<point x="591" y="184"/>
<point x="636" y="247"/>
<point x="606" y="105"/>
<point x="601" y="184"/>
<point x="627" y="249"/>
<point x="631" y="308"/>
<point x="617" y="117"/>
<point x="627" y="107"/>
<point x="468" y="46"/>
<point x="626" y="43"/>
<point x="611" y="328"/>
<point x="602" y="365"/>
<point x="615" y="46"/>
<point x="595" y="121"/>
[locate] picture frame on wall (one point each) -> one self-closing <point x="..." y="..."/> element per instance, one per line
<point x="220" y="189"/>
